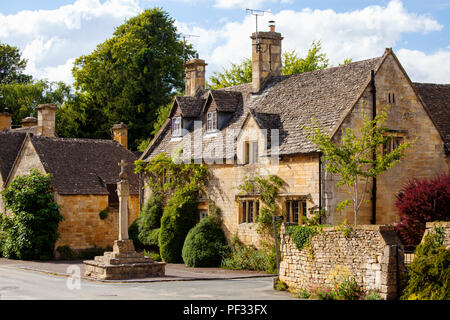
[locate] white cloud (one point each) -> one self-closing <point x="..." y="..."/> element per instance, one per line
<point x="433" y="68"/>
<point x="254" y="4"/>
<point x="50" y="39"/>
<point x="358" y="34"/>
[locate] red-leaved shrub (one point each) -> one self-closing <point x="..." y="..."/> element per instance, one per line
<point x="419" y="202"/>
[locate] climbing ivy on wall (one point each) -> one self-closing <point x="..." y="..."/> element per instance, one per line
<point x="178" y="186"/>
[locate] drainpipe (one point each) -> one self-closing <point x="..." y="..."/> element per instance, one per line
<point x="374" y="182"/>
<point x="320" y="181"/>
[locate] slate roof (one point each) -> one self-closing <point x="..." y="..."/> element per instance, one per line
<point x="190" y="106"/>
<point x="10" y="143"/>
<point x="226" y="101"/>
<point x="437" y="100"/>
<point x="84" y="166"/>
<point x="288" y="103"/>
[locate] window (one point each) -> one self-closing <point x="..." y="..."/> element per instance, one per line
<point x="391" y="98"/>
<point x="211" y="121"/>
<point x="250" y="152"/>
<point x="176" y="127"/>
<point x="391" y="144"/>
<point x="294" y="210"/>
<point x="249" y="210"/>
<point x="113" y="198"/>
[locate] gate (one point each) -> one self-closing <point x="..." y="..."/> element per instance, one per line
<point x="405" y="256"/>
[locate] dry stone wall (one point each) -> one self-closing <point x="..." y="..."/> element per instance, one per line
<point x="430" y="226"/>
<point x="368" y="253"/>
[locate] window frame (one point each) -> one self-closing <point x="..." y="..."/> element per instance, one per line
<point x="213" y="119"/>
<point x="177" y="128"/>
<point x="296" y="210"/>
<point x="245" y="205"/>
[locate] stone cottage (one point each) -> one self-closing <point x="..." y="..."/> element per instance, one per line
<point x="84" y="173"/>
<point x="259" y="128"/>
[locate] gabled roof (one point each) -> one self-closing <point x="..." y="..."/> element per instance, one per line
<point x="437" y="100"/>
<point x="289" y="103"/>
<point x="10" y="143"/>
<point x="226" y="101"/>
<point x="84" y="166"/>
<point x="190" y="106"/>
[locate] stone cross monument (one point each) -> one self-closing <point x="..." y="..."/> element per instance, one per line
<point x="123" y="191"/>
<point x="123" y="262"/>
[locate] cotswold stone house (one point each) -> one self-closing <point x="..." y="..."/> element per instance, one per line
<point x="84" y="173"/>
<point x="240" y="130"/>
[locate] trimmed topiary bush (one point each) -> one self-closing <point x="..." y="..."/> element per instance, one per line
<point x="179" y="217"/>
<point x="205" y="244"/>
<point x="33" y="229"/>
<point x="148" y="224"/>
<point x="133" y="233"/>
<point x="419" y="202"/>
<point x="430" y="270"/>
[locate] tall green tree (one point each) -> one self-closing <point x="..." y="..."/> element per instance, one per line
<point x="12" y="65"/>
<point x="352" y="157"/>
<point x="22" y="99"/>
<point x="239" y="73"/>
<point x="129" y="76"/>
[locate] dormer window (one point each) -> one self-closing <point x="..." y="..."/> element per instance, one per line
<point x="211" y="121"/>
<point x="176" y="126"/>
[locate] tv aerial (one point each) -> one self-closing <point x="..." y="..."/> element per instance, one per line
<point x="188" y="36"/>
<point x="257" y="13"/>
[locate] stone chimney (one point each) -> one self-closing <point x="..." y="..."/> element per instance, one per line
<point x="266" y="56"/>
<point x="46" y="120"/>
<point x="120" y="134"/>
<point x="29" y="122"/>
<point x="195" y="76"/>
<point x="5" y="121"/>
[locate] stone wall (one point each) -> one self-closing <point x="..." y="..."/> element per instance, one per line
<point x="443" y="224"/>
<point x="82" y="227"/>
<point x="368" y="253"/>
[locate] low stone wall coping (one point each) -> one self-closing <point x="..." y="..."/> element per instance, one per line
<point x="357" y="227"/>
<point x="445" y="224"/>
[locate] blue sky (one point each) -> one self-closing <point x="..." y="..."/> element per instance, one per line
<point x="53" y="33"/>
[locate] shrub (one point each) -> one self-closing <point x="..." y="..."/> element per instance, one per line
<point x="280" y="285"/>
<point x="422" y="201"/>
<point x="205" y="244"/>
<point x="150" y="239"/>
<point x="372" y="295"/>
<point x="242" y="257"/>
<point x="178" y="218"/>
<point x="301" y="235"/>
<point x="103" y="214"/>
<point x="146" y="229"/>
<point x="133" y="233"/>
<point x="66" y="253"/>
<point x="430" y="270"/>
<point x="154" y="255"/>
<point x="33" y="229"/>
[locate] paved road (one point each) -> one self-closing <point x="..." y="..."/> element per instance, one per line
<point x="21" y="284"/>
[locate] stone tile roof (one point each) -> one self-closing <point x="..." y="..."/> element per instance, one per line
<point x="32" y="130"/>
<point x="226" y="101"/>
<point x="288" y="103"/>
<point x="190" y="106"/>
<point x="437" y="100"/>
<point x="10" y="143"/>
<point x="84" y="166"/>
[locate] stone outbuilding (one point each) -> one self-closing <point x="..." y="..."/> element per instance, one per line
<point x="259" y="128"/>
<point x="84" y="173"/>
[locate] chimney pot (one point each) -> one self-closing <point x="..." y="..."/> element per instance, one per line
<point x="272" y="26"/>
<point x="5" y="121"/>
<point x="120" y="134"/>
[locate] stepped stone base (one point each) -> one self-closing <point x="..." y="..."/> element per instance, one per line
<point x="123" y="263"/>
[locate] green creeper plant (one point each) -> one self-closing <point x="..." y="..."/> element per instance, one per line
<point x="352" y="158"/>
<point x="33" y="228"/>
